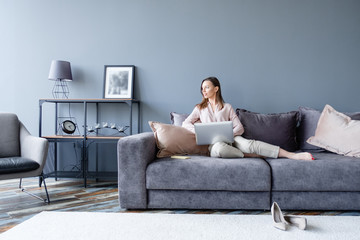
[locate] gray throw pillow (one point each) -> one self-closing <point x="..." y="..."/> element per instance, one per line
<point x="309" y="118"/>
<point x="178" y="118"/>
<point x="277" y="128"/>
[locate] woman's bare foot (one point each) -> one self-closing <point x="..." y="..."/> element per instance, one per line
<point x="296" y="156"/>
<point x="301" y="156"/>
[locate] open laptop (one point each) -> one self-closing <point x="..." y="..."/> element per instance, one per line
<point x="210" y="133"/>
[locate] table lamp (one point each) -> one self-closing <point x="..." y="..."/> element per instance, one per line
<point x="60" y="72"/>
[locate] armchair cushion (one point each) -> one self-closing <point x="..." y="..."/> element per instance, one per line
<point x="17" y="164"/>
<point x="9" y="135"/>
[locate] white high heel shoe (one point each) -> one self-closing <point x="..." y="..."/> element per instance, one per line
<point x="278" y="218"/>
<point x="299" y="222"/>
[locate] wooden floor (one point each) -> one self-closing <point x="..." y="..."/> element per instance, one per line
<point x="70" y="195"/>
<point x="65" y="195"/>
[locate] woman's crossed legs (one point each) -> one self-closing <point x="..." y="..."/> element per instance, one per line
<point x="243" y="147"/>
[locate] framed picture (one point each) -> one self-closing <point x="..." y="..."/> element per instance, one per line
<point x="119" y="81"/>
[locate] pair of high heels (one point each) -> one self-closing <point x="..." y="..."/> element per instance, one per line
<point x="281" y="222"/>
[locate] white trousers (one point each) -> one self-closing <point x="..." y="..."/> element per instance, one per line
<point x="242" y="145"/>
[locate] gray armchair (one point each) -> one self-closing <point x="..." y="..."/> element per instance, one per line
<point x="21" y="154"/>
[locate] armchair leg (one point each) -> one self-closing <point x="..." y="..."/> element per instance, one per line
<point x="47" y="200"/>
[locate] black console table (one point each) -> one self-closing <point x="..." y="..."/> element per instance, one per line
<point x="84" y="139"/>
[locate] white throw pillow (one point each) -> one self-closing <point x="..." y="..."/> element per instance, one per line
<point x="337" y="133"/>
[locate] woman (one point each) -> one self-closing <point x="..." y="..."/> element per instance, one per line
<point x="213" y="109"/>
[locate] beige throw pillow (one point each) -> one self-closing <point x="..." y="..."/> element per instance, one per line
<point x="337" y="133"/>
<point x="175" y="140"/>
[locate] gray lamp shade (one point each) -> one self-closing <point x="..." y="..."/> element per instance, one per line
<point x="60" y="70"/>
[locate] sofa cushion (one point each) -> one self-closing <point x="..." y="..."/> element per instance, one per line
<point x="328" y="172"/>
<point x="173" y="140"/>
<point x="178" y="118"/>
<point x="277" y="128"/>
<point x="309" y="118"/>
<point x="17" y="164"/>
<point x="207" y="173"/>
<point x="337" y="133"/>
<point x="9" y="135"/>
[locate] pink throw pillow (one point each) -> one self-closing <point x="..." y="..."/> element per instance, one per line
<point x="175" y="140"/>
<point x="337" y="133"/>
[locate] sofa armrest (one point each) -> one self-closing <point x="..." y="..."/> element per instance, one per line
<point x="35" y="148"/>
<point x="134" y="153"/>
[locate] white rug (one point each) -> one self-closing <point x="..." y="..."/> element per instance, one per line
<point x="87" y="225"/>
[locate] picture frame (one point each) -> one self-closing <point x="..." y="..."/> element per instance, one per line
<point x="119" y="81"/>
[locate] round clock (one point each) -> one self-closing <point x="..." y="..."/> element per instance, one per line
<point x="68" y="126"/>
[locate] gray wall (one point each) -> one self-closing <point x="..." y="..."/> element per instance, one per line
<point x="270" y="55"/>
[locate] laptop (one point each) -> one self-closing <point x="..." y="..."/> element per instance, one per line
<point x="210" y="133"/>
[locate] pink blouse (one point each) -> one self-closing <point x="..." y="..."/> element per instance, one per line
<point x="208" y="115"/>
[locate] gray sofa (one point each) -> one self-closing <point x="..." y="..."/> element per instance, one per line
<point x="331" y="182"/>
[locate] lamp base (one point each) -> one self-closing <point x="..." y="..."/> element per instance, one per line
<point x="60" y="89"/>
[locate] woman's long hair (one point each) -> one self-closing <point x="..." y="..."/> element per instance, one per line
<point x="219" y="98"/>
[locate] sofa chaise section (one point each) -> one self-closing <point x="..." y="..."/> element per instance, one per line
<point x="331" y="182"/>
